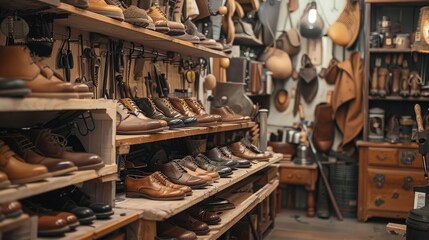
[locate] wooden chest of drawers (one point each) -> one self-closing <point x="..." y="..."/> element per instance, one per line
<point x="387" y="174"/>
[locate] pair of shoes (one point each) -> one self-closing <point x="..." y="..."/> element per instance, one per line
<point x="228" y="115"/>
<point x="165" y="106"/>
<point x="178" y="175"/>
<point x="154" y="186"/>
<point x="149" y="109"/>
<point x="184" y="107"/>
<point x="188" y="222"/>
<point x="249" y="152"/>
<point x="167" y="230"/>
<point x="207" y="164"/>
<point x="192" y="168"/>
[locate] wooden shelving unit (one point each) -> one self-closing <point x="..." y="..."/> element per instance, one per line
<point x="389" y="50"/>
<point x="100" y="228"/>
<point x="161" y="210"/>
<point x="52" y="183"/>
<point x="124" y="141"/>
<point x="399" y="98"/>
<point x="54" y="104"/>
<point x="12" y="223"/>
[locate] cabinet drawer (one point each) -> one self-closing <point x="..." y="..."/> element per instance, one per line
<point x="392" y="190"/>
<point x="383" y="156"/>
<point x="294" y="176"/>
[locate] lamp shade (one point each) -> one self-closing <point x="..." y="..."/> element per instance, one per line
<point x="421" y="41"/>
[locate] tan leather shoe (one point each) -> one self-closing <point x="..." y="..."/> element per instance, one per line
<point x="228" y="115"/>
<point x="51" y="225"/>
<point x="17" y="63"/>
<point x="211" y="218"/>
<point x="199" y="109"/>
<point x="22" y="146"/>
<point x="189" y="163"/>
<point x="4" y="181"/>
<point x="54" y="145"/>
<point x="71" y="219"/>
<point x="170" y="231"/>
<point x="101" y="7"/>
<point x="178" y="175"/>
<point x="205" y="177"/>
<point x="150" y="187"/>
<point x="240" y="150"/>
<point x="162" y="24"/>
<point x="163" y="179"/>
<point x="17" y="170"/>
<point x="203" y="120"/>
<point x="128" y="122"/>
<point x="11" y="209"/>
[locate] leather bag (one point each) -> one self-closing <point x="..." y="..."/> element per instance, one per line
<point x="278" y="62"/>
<point x="290" y="40"/>
<point x="332" y="71"/>
<point x="308" y="83"/>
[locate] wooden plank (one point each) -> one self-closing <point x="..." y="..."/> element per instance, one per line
<point x="396" y="1"/>
<point x="52" y="104"/>
<point x="390" y="50"/>
<point x="399" y="98"/>
<point x="162" y="210"/>
<point x="100" y="228"/>
<point x="92" y="22"/>
<point x="16" y="192"/>
<point x="128" y="140"/>
<point x="396" y="229"/>
<point x="27" y="4"/>
<point x="13" y="223"/>
<point x="386" y="144"/>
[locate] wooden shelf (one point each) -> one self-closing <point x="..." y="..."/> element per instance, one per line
<point x="27" y="190"/>
<point x="54" y="104"/>
<point x="244" y="203"/>
<point x="92" y="22"/>
<point x="399" y="98"/>
<point x="162" y="210"/>
<point x="100" y="228"/>
<point x="124" y="141"/>
<point x="386" y="144"/>
<point x="28" y="4"/>
<point x="390" y="50"/>
<point x="12" y="223"/>
<point x="396" y="1"/>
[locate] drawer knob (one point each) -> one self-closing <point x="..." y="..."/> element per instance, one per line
<point x="379" y="180"/>
<point x="378" y="201"/>
<point x="395" y="195"/>
<point x="407" y="183"/>
<point x="381" y="156"/>
<point x="407" y="157"/>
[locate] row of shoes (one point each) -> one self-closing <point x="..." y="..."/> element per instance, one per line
<point x="149" y="115"/>
<point x="188" y="224"/>
<point x="23" y="75"/>
<point x="63" y="210"/>
<point x="153" y="18"/>
<point x="36" y="154"/>
<point x="177" y="178"/>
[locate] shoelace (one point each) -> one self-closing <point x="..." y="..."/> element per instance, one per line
<point x="179" y="167"/>
<point x="191" y="161"/>
<point x="197" y="105"/>
<point x="160" y="11"/>
<point x="162" y="178"/>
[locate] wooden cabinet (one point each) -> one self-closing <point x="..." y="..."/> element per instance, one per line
<point x="385" y="182"/>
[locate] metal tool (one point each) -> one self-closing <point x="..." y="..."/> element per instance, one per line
<point x="422" y="137"/>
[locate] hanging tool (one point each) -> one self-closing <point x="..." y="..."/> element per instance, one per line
<point x="94" y="62"/>
<point x="65" y="56"/>
<point x="319" y="164"/>
<point x="105" y="93"/>
<point x="119" y="68"/>
<point x="422" y="137"/>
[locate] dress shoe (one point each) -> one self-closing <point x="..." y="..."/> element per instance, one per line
<point x="149" y="109"/>
<point x="101" y="210"/>
<point x="215" y="154"/>
<point x="13" y="88"/>
<point x="205" y="177"/>
<point x="17" y="170"/>
<point x="189" y="162"/>
<point x="132" y="14"/>
<point x="203" y="120"/>
<point x="22" y="146"/>
<point x="150" y="187"/>
<point x="205" y="163"/>
<point x="48" y="223"/>
<point x="211" y="218"/>
<point x="54" y="145"/>
<point x="162" y="24"/>
<point x="33" y="209"/>
<point x="186" y="221"/>
<point x="242" y="163"/>
<point x="253" y="148"/>
<point x="101" y="7"/>
<point x="228" y="115"/>
<point x="168" y="110"/>
<point x="240" y="150"/>
<point x="4" y="181"/>
<point x="11" y="209"/>
<point x="178" y="175"/>
<point x="17" y="63"/>
<point x="71" y="219"/>
<point x="128" y="122"/>
<point x="323" y="130"/>
<point x="167" y="230"/>
<point x="199" y="109"/>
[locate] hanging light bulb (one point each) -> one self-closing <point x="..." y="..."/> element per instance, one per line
<point x="312" y="15"/>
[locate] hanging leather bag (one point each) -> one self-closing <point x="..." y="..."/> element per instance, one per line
<point x="308" y="82"/>
<point x="290" y="40"/>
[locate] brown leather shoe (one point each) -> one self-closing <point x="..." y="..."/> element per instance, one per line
<point x="11" y="209"/>
<point x="17" y="63"/>
<point x="22" y="146"/>
<point x="162" y="24"/>
<point x="178" y="175"/>
<point x="382" y="81"/>
<point x="168" y="110"/>
<point x="190" y="163"/>
<point x="242" y="163"/>
<point x="71" y="219"/>
<point x="323" y="130"/>
<point x="186" y="221"/>
<point x="203" y="120"/>
<point x="4" y="181"/>
<point x="48" y="223"/>
<point x="128" y="122"/>
<point x="240" y="150"/>
<point x="163" y="179"/>
<point x="54" y="145"/>
<point x="396" y="78"/>
<point x="228" y="115"/>
<point x="205" y="177"/>
<point x="17" y="170"/>
<point x="405" y="87"/>
<point x="150" y="187"/>
<point x="211" y="218"/>
<point x="199" y="109"/>
<point x="170" y="231"/>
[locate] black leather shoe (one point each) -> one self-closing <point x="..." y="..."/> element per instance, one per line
<point x="205" y="163"/>
<point x="167" y="109"/>
<point x="149" y="109"/>
<point x="101" y="210"/>
<point x="242" y="163"/>
<point x="215" y="154"/>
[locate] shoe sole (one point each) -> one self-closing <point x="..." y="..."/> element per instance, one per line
<point x="162" y="29"/>
<point x="74" y="225"/>
<point x="4" y="184"/>
<point x="199" y="186"/>
<point x="104" y="215"/>
<point x="202" y="232"/>
<point x="225" y="174"/>
<point x="54" y="232"/>
<point x="214" y="222"/>
<point x="137" y="195"/>
<point x="142" y="131"/>
<point x="32" y="179"/>
<point x="118" y="16"/>
<point x="15" y="92"/>
<point x="63" y="171"/>
<point x="13" y="214"/>
<point x="244" y="166"/>
<point x="87" y="221"/>
<point x="96" y="166"/>
<point x="209" y="124"/>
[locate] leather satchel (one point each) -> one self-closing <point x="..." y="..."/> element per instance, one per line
<point x="289" y="41"/>
<point x="332" y="71"/>
<point x="278" y="62"/>
<point x="308" y="83"/>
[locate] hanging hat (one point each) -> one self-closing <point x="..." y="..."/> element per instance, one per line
<point x="281" y="100"/>
<point x="345" y="30"/>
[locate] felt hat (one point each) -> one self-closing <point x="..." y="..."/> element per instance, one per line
<point x="281" y="100"/>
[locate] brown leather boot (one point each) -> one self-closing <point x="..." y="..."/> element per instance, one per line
<point x="405" y="87"/>
<point x="382" y="80"/>
<point x="396" y="78"/>
<point x="415" y="81"/>
<point x="323" y="130"/>
<point x="374" y="82"/>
